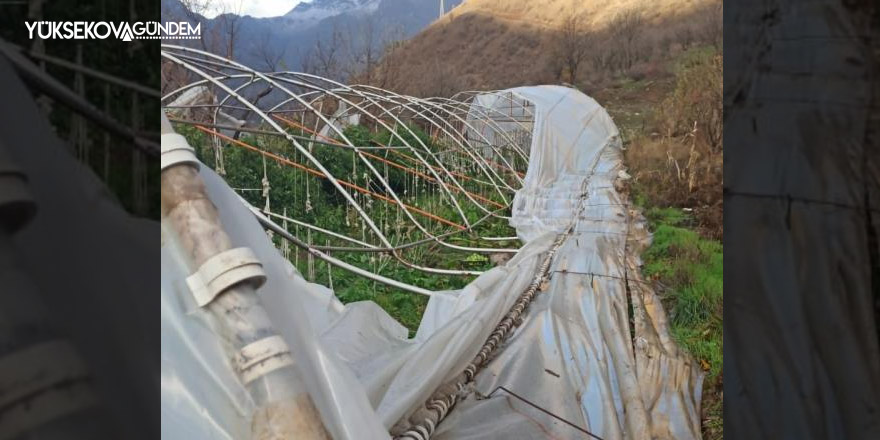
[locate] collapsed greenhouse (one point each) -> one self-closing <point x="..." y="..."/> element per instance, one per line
<point x="274" y="184"/>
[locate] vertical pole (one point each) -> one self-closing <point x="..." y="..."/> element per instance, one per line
<point x="266" y="186"/>
<point x="329" y="271"/>
<point x="285" y="244"/>
<point x="296" y="251"/>
<point x="288" y="411"/>
<point x="310" y="261"/>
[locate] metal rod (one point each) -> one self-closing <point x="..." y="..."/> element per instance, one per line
<point x="267" y="223"/>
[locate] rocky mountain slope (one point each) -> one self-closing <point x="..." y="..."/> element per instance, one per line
<point x="289" y="38"/>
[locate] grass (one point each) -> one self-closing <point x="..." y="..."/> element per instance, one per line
<point x="693" y="269"/>
<point x="690" y="270"/>
<point x="245" y="170"/>
<point x="673" y="164"/>
<point x="406" y="307"/>
<point x="685" y="260"/>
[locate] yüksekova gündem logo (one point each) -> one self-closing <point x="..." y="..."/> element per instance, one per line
<point x="101" y="30"/>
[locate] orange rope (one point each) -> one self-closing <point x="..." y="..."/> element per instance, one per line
<point x="322" y="175"/>
<point x="503" y="168"/>
<point x="431" y="179"/>
<point x="306" y="129"/>
<point x="394" y="164"/>
<point x="435" y="168"/>
<point x="336" y="142"/>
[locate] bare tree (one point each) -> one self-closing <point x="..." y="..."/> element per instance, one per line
<point x="307" y="63"/>
<point x="230" y="22"/>
<point x="272" y="59"/>
<point x="194" y="13"/>
<point x="711" y="27"/>
<point x="221" y="37"/>
<point x="571" y="47"/>
<point x="387" y="73"/>
<point x="368" y="49"/>
<point x="440" y="81"/>
<point x="361" y="44"/>
<point x="325" y="58"/>
<point x="270" y="55"/>
<point x="173" y="76"/>
<point x="624" y="32"/>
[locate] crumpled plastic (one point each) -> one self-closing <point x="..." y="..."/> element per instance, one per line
<point x="572" y="367"/>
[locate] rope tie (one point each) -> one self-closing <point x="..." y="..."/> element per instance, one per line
<point x="425" y="420"/>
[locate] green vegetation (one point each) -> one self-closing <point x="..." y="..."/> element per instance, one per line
<point x="407" y="308"/>
<point x="327" y="208"/>
<point x="674" y="168"/>
<point x="672" y="129"/>
<point x="692" y="268"/>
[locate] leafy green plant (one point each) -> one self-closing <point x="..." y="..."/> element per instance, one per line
<point x="290" y="186"/>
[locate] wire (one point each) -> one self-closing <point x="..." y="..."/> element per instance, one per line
<point x="320" y="174"/>
<point x="526" y="401"/>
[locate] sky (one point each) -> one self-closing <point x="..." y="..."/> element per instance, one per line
<point x="256" y="8"/>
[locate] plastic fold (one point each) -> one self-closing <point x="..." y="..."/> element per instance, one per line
<point x="573" y="367"/>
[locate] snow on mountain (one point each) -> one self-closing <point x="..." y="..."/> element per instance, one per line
<point x="332" y="5"/>
<point x="314" y="11"/>
<point x="297" y="32"/>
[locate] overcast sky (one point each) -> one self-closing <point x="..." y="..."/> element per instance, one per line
<point x="257" y="8"/>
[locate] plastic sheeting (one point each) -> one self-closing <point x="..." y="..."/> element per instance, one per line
<point x="573" y="356"/>
<point x="497" y="118"/>
<point x="801" y="197"/>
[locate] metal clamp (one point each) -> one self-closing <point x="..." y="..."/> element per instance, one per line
<point x="224" y="270"/>
<point x="262" y="357"/>
<point x="176" y="150"/>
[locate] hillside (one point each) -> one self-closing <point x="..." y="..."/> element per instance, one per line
<point x="489" y="44"/>
<point x="656" y="67"/>
<point x="282" y="43"/>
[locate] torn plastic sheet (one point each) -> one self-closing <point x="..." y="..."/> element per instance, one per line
<point x="571" y="369"/>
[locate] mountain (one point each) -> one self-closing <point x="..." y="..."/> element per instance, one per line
<point x="492" y="44"/>
<point x="289" y="38"/>
<point x="309" y="14"/>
